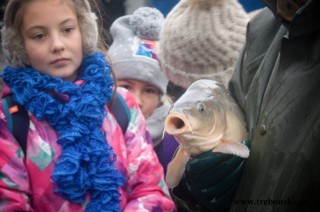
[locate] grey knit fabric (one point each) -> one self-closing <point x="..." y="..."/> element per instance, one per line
<point x="201" y="39"/>
<point x="133" y="52"/>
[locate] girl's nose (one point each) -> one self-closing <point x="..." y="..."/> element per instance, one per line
<point x="139" y="100"/>
<point x="57" y="44"/>
<point x="138" y="97"/>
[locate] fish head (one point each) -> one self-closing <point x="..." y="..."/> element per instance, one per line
<point x="197" y="118"/>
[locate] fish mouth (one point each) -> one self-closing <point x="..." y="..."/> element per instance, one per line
<point x="176" y="124"/>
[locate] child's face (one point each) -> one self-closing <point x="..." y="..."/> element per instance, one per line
<point x="52" y="38"/>
<point x="147" y="96"/>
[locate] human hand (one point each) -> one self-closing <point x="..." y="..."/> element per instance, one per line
<point x="209" y="182"/>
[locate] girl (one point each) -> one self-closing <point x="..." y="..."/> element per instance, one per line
<point x="134" y="56"/>
<point x="76" y="155"/>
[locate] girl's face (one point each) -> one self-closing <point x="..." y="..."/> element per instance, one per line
<point x="147" y="96"/>
<point x="52" y="38"/>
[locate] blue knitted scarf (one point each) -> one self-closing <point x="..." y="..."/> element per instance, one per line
<point x="76" y="112"/>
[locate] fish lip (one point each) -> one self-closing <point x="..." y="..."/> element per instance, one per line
<point x="176" y="124"/>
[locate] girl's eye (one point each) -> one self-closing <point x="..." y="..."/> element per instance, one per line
<point x="38" y="36"/>
<point x="151" y="91"/>
<point x="128" y="87"/>
<point x="68" y="29"/>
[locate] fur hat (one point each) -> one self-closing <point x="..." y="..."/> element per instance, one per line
<point x="201" y="39"/>
<point x="133" y="51"/>
<point x="12" y="41"/>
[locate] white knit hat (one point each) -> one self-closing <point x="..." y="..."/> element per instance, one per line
<point x="133" y="52"/>
<point x="201" y="39"/>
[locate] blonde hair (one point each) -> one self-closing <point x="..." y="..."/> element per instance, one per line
<point x="12" y="40"/>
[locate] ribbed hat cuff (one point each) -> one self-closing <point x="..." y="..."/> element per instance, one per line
<point x="185" y="77"/>
<point x="149" y="72"/>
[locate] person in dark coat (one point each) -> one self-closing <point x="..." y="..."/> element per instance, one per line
<point x="276" y="82"/>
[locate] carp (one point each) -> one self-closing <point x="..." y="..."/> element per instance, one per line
<point x="204" y="118"/>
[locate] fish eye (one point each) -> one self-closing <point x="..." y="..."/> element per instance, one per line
<point x="200" y="107"/>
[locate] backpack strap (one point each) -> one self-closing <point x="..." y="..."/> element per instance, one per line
<point x="18" y="120"/>
<point x="121" y="112"/>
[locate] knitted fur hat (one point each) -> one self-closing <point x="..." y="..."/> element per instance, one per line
<point x="133" y="51"/>
<point x="12" y="41"/>
<point x="201" y="39"/>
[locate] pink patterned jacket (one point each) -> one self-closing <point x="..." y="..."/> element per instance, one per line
<point x="25" y="183"/>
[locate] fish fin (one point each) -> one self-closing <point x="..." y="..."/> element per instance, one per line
<point x="176" y="168"/>
<point x="235" y="148"/>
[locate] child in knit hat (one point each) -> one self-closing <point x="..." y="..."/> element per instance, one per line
<point x="133" y="54"/>
<point x="201" y="39"/>
<point x="76" y="157"/>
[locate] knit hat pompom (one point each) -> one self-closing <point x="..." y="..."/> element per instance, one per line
<point x="205" y="4"/>
<point x="146" y="22"/>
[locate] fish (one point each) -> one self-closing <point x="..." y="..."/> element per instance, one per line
<point x="205" y="118"/>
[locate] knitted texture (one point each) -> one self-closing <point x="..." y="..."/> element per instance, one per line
<point x="76" y="111"/>
<point x="135" y="42"/>
<point x="201" y="39"/>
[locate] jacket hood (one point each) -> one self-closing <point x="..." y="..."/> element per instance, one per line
<point x="303" y="21"/>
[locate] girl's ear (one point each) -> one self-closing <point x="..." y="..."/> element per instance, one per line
<point x="88" y="26"/>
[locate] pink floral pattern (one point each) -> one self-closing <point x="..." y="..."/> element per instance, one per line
<point x="25" y="182"/>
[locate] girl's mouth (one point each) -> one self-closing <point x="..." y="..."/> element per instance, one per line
<point x="60" y="62"/>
